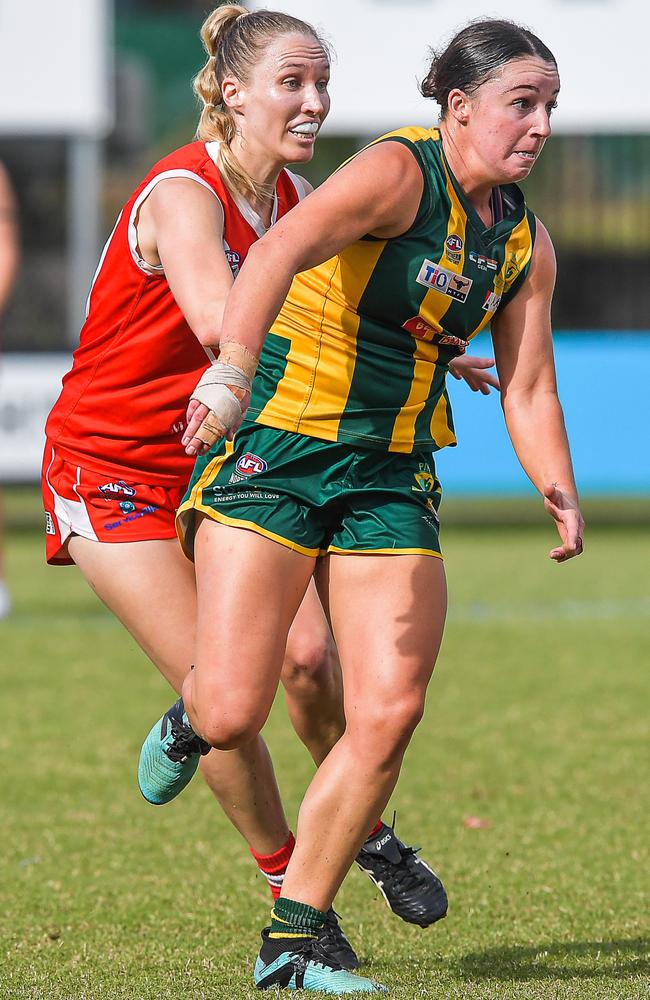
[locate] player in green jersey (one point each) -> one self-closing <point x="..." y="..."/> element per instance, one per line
<point x="388" y="270"/>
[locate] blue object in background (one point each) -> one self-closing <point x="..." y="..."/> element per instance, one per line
<point x="603" y="386"/>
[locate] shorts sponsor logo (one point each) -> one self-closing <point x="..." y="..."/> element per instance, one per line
<point x="134" y="516"/>
<point x="178" y="427"/>
<point x="492" y="301"/>
<point x="246" y="495"/>
<point x="127" y="507"/>
<point x="435" y="276"/>
<point x="424" y="331"/>
<point x="250" y="465"/>
<point x="110" y="489"/>
<point x="483" y="263"/>
<point x="49" y="524"/>
<point x="424" y="479"/>
<point x="453" y="248"/>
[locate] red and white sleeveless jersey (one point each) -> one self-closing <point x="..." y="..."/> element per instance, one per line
<point x="122" y="406"/>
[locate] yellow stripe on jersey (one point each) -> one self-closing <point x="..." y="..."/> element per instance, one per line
<point x="414" y="133"/>
<point x="440" y="424"/>
<point x="432" y="310"/>
<point x="321" y="361"/>
<point x="424" y="370"/>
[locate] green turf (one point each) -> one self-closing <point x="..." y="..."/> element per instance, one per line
<point x="537" y="723"/>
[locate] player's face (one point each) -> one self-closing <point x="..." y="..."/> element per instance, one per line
<point x="285" y="101"/>
<point x="509" y="117"/>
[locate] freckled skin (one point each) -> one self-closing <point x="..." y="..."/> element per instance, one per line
<point x="485" y="132"/>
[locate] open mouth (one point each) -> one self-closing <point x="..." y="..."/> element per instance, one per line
<point x="522" y="154"/>
<point x="306" y="130"/>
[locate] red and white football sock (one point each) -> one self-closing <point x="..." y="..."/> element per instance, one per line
<point x="273" y="866"/>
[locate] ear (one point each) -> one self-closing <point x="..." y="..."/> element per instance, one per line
<point x="231" y="92"/>
<point x="458" y="106"/>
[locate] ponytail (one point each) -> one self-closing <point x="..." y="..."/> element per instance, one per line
<point x="234" y="38"/>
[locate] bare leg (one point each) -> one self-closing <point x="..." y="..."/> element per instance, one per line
<point x="150" y="587"/>
<point x="311" y="676"/>
<point x="242" y="628"/>
<point x="388" y="616"/>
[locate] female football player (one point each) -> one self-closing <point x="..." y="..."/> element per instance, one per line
<point x="114" y="469"/>
<point x="388" y="270"/>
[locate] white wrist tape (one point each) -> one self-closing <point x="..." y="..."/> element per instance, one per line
<point x="215" y="390"/>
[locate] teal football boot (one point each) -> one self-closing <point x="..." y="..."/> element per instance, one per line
<point x="303" y="965"/>
<point x="169" y="757"/>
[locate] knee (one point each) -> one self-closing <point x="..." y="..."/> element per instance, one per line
<point x="227" y="728"/>
<point x="387" y="728"/>
<point x="310" y="665"/>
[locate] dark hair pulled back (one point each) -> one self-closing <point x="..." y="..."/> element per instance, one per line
<point x="476" y="54"/>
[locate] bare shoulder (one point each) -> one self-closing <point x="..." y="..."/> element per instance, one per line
<point x="390" y="161"/>
<point x="181" y="193"/>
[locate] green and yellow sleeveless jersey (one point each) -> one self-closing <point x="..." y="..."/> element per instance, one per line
<point x="360" y="350"/>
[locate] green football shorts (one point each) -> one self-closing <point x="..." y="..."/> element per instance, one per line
<point x="315" y="496"/>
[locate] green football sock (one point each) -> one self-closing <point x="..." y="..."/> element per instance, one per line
<point x="290" y="919"/>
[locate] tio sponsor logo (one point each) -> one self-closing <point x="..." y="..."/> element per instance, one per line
<point x="437" y="277"/>
<point x="250" y="465"/>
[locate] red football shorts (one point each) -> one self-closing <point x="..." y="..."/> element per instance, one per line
<point x="104" y="508"/>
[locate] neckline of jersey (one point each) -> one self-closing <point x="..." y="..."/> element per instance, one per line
<point x="252" y="217"/>
<point x="487" y="234"/>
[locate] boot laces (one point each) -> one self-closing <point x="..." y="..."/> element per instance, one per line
<point x="184" y="741"/>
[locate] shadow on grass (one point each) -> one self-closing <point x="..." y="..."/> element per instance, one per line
<point x="559" y="960"/>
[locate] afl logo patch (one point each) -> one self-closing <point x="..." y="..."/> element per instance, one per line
<point x="250" y="464"/>
<point x="233" y="259"/>
<point x="453" y="248"/>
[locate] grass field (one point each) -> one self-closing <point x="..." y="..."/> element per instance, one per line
<point x="537" y="724"/>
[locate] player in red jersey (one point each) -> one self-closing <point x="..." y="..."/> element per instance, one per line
<point x="114" y="468"/>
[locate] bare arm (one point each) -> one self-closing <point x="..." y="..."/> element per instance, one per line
<point x="8" y="239"/>
<point x="524" y="353"/>
<point x="181" y="225"/>
<point x="377" y="193"/>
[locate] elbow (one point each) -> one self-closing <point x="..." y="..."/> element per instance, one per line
<point x="206" y="325"/>
<point x="531" y="398"/>
<point x="207" y="334"/>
